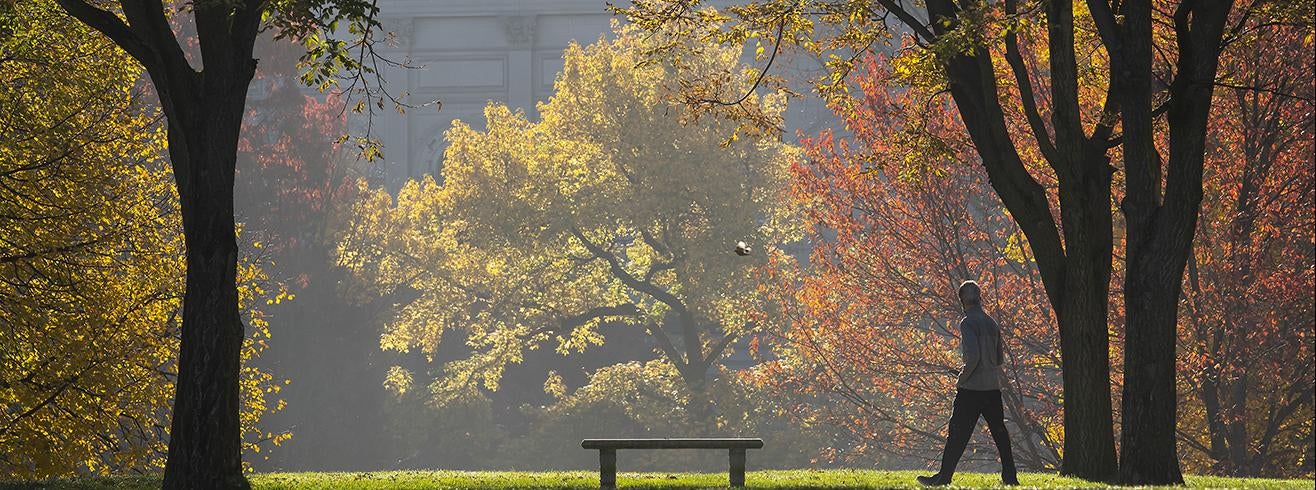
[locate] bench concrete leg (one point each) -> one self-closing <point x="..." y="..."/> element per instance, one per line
<point x="607" y="468"/>
<point x="737" y="467"/>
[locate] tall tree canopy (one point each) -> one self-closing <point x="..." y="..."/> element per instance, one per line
<point x="867" y="337"/>
<point x="1123" y="106"/>
<point x="89" y="245"/>
<point x="616" y="209"/>
<point x="204" y="102"/>
<point x="869" y="346"/>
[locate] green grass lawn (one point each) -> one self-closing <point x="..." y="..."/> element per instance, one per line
<point x="587" y="480"/>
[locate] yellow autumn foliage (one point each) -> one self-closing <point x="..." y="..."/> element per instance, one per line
<point x="619" y="207"/>
<point x="91" y="260"/>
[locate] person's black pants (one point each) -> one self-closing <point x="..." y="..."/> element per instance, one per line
<point x="969" y="404"/>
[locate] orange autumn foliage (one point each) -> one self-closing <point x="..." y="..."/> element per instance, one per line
<point x="872" y="318"/>
<point x="1246" y="322"/>
<point x="900" y="210"/>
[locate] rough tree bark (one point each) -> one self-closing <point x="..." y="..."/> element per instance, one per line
<point x="1160" y="209"/>
<point x="205" y="434"/>
<point x="204" y="112"/>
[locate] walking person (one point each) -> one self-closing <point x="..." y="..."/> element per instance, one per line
<point x="978" y="389"/>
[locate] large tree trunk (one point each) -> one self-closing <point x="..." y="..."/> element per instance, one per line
<point x="205" y="445"/>
<point x="1075" y="271"/>
<point x="204" y="111"/>
<point x="1081" y="305"/>
<point x="1089" y="450"/>
<point x="1077" y="279"/>
<point x="204" y="437"/>
<point x="1152" y="278"/>
<point x="1150" y="401"/>
<point x="1161" y="208"/>
<point x="1083" y="318"/>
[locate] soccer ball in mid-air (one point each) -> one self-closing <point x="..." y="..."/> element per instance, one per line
<point x="742" y="249"/>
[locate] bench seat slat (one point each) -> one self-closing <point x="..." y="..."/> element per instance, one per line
<point x="674" y="443"/>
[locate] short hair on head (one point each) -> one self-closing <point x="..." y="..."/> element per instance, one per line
<point x="970" y="293"/>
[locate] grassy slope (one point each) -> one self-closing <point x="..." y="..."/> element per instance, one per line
<point x="589" y="480"/>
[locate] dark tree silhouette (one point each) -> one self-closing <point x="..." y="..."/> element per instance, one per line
<point x="1161" y="61"/>
<point x="204" y="108"/>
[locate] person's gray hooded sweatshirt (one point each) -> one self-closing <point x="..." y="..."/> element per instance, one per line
<point x="980" y="345"/>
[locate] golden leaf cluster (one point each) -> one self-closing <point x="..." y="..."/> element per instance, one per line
<point x="91" y="254"/>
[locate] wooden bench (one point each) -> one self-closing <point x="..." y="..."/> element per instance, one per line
<point x="736" y="446"/>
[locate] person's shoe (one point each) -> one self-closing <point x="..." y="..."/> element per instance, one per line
<point x="1010" y="481"/>
<point x="933" y="481"/>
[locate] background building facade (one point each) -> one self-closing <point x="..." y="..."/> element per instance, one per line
<point x="467" y="53"/>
